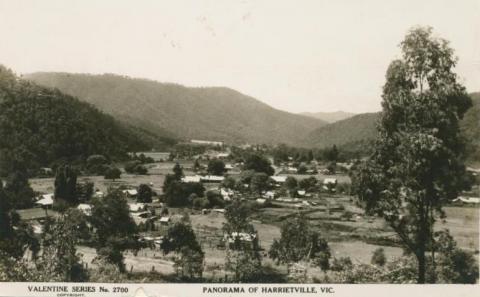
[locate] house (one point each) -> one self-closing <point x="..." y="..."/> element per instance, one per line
<point x="191" y="179"/>
<point x="245" y="238"/>
<point x="212" y="179"/>
<point x="301" y="192"/>
<point x="222" y="155"/>
<point x="467" y="200"/>
<point x="85" y="208"/>
<point x="46" y="171"/>
<point x="292" y="169"/>
<point x="261" y="201"/>
<point x="227" y="194"/>
<point x="329" y="184"/>
<point x="279" y="179"/>
<point x="218" y="210"/>
<point x="45" y="201"/>
<point x="269" y="195"/>
<point x="164" y="220"/>
<point x="37" y="228"/>
<point x="98" y="194"/>
<point x="130" y="193"/>
<point x="136" y="207"/>
<point x="228" y="166"/>
<point x="297" y="271"/>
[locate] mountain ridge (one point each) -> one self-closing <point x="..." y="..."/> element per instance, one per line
<point x="212" y="113"/>
<point x="41" y="127"/>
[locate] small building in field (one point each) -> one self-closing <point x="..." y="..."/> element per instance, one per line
<point x="45" y="201"/>
<point x="269" y="195"/>
<point x="191" y="179"/>
<point x="164" y="220"/>
<point x="279" y="179"/>
<point x="297" y="272"/>
<point x="227" y="194"/>
<point x="261" y="201"/>
<point x="136" y="207"/>
<point x="292" y="169"/>
<point x="467" y="200"/>
<point x="98" y="194"/>
<point x="212" y="178"/>
<point x="85" y="208"/>
<point x="239" y="237"/>
<point x="330" y="184"/>
<point x="130" y="193"/>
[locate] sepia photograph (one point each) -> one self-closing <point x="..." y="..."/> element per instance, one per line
<point x="226" y="143"/>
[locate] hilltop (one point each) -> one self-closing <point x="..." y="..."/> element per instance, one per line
<point x="211" y="113"/>
<point x="358" y="131"/>
<point x="40" y="126"/>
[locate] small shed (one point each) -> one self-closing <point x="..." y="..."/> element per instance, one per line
<point x="45" y="200"/>
<point x="130" y="193"/>
<point x="85" y="208"/>
<point x="164" y="220"/>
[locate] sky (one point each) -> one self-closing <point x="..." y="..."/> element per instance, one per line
<point x="296" y="55"/>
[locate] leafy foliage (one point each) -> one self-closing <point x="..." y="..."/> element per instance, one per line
<point x="145" y="193"/>
<point x="15" y="236"/>
<point x="242" y="257"/>
<point x="135" y="167"/>
<point x="258" y="163"/>
<point x="19" y="191"/>
<point x="40" y="127"/>
<point x="378" y="257"/>
<point x="66" y="185"/>
<point x="216" y="167"/>
<point x="112" y="173"/>
<point x="115" y="230"/>
<point x="299" y="243"/>
<point x="181" y="239"/>
<point x="418" y="161"/>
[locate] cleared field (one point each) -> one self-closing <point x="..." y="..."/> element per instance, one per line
<point x="463" y="223"/>
<point x="142" y="262"/>
<point x="361" y="252"/>
<point x="46" y="185"/>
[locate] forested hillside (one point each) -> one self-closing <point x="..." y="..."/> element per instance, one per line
<point x="357" y="132"/>
<point x="188" y="113"/>
<point x="352" y="130"/>
<point x="41" y="126"/>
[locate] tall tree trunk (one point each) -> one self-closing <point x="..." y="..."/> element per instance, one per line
<point x="421" y="267"/>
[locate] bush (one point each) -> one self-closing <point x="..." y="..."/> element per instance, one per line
<point x="135" y="167"/>
<point x="112" y="173"/>
<point x="378" y="257"/>
<point x="145" y="193"/>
